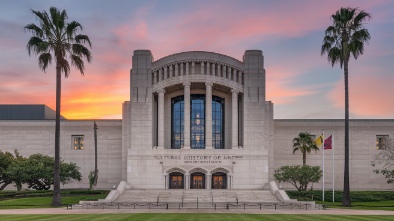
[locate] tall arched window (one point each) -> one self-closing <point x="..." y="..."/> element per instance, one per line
<point x="197" y="121"/>
<point x="177" y="122"/>
<point x="217" y="122"/>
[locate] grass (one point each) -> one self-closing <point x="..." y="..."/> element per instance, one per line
<point x="190" y="217"/>
<point x="44" y="202"/>
<point x="380" y="205"/>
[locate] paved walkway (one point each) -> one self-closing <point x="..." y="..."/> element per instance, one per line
<point x="236" y="211"/>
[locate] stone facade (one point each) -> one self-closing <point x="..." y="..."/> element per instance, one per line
<point x="142" y="147"/>
<point x="37" y="136"/>
<point x="247" y="116"/>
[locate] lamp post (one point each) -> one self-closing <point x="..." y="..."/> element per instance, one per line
<point x="95" y="127"/>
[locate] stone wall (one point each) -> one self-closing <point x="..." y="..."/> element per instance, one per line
<point x="362" y="148"/>
<point x="38" y="136"/>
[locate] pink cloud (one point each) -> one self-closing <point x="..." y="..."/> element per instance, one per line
<point x="368" y="96"/>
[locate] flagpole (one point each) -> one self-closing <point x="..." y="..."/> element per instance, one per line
<point x="333" y="166"/>
<point x="323" y="162"/>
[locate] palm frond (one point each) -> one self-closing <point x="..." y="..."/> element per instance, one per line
<point x="72" y="28"/>
<point x="34" y="29"/>
<point x="36" y="45"/>
<point x="81" y="51"/>
<point x="361" y="17"/>
<point x="78" y="63"/>
<point x="82" y="39"/>
<point x="44" y="60"/>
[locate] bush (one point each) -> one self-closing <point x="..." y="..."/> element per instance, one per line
<point x="44" y="193"/>
<point x="356" y="196"/>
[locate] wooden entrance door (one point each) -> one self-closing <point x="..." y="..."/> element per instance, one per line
<point x="197" y="181"/>
<point x="219" y="181"/>
<point x="176" y="181"/>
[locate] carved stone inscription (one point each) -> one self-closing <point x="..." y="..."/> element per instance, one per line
<point x="198" y="159"/>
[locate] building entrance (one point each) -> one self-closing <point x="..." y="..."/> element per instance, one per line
<point x="197" y="181"/>
<point x="176" y="181"/>
<point x="219" y="181"/>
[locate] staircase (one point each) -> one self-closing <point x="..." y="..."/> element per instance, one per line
<point x="197" y="198"/>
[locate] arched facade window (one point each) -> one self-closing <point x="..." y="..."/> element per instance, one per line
<point x="177" y="122"/>
<point x="197" y="121"/>
<point x="217" y="122"/>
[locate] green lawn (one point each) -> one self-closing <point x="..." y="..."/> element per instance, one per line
<point x="42" y="202"/>
<point x="380" y="205"/>
<point x="191" y="217"/>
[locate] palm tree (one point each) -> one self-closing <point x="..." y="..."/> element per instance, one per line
<point x="346" y="37"/>
<point x="55" y="38"/>
<point x="304" y="143"/>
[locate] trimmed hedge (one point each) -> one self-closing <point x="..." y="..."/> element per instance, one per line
<point x="356" y="196"/>
<point x="46" y="193"/>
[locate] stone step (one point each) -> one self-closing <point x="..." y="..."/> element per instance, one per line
<point x="192" y="196"/>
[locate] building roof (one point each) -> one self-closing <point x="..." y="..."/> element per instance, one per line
<point x="27" y="112"/>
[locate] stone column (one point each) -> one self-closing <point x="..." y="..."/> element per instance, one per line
<point x="186" y="118"/>
<point x="187" y="180"/>
<point x="208" y="67"/>
<point x="228" y="182"/>
<point x="234" y="119"/>
<point x="154" y="77"/>
<point x="202" y="67"/>
<point x="208" y="182"/>
<point x="220" y="71"/>
<point x="161" y="77"/>
<point x="160" y="120"/>
<point x="230" y="74"/>
<point x="166" y="182"/>
<point x="187" y="68"/>
<point x="181" y="72"/>
<point x="170" y="74"/>
<point x="208" y="115"/>
<point x="193" y="68"/>
<point x="176" y="70"/>
<point x="213" y="69"/>
<point x="240" y="77"/>
<point x="165" y="73"/>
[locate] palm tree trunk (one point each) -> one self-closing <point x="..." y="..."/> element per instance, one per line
<point x="304" y="158"/>
<point x="56" y="200"/>
<point x="346" y="186"/>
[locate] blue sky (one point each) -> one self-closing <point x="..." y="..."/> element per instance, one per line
<point x="300" y="82"/>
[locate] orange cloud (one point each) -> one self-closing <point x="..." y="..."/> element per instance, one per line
<point x="279" y="89"/>
<point x="368" y="96"/>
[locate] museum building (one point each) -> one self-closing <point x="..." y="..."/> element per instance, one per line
<point x="198" y="120"/>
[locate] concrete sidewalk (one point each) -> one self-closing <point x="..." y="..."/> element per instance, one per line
<point x="235" y="211"/>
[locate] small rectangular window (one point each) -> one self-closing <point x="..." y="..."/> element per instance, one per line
<point x="77" y="142"/>
<point x="381" y="141"/>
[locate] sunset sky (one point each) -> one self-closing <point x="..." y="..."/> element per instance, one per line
<point x="300" y="82"/>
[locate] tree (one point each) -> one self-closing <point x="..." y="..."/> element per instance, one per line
<point x="299" y="176"/>
<point x="304" y="143"/>
<point x="345" y="38"/>
<point x="55" y="38"/>
<point x="385" y="158"/>
<point x="37" y="171"/>
<point x="7" y="162"/>
<point x="6" y="158"/>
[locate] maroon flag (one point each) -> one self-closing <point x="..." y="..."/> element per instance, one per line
<point x="328" y="143"/>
